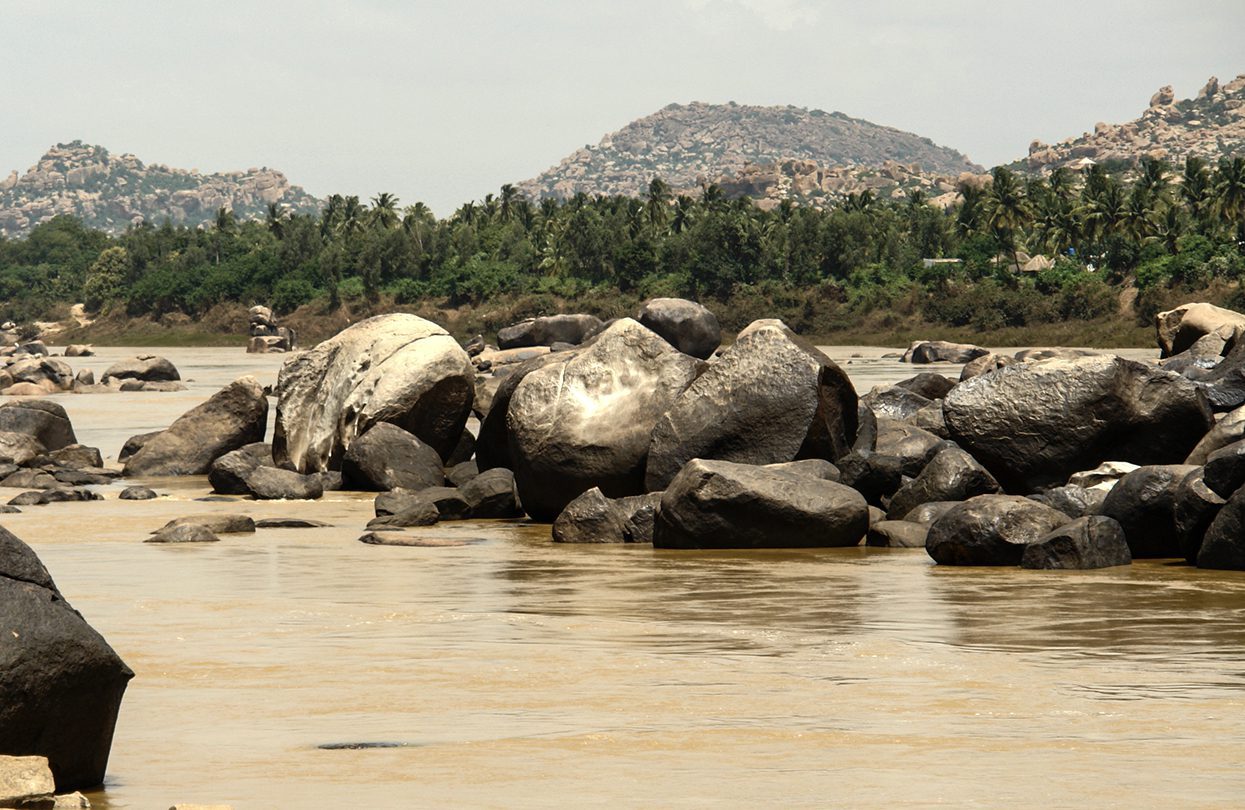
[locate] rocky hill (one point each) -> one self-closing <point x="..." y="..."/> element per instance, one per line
<point x="1210" y="125"/>
<point x="693" y="143"/>
<point x="110" y="191"/>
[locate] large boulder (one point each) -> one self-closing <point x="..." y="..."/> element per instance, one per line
<point x="1179" y="328"/>
<point x="227" y="474"/>
<point x="394" y="368"/>
<point x="61" y="683"/>
<point x="928" y="384"/>
<point x="952" y="475"/>
<point x="18" y="448"/>
<point x="50" y="374"/>
<point x="990" y="530"/>
<point x="1144" y="503"/>
<point x="548" y="330"/>
<point x="493" y="438"/>
<point x="1224" y="471"/>
<point x="1223" y="547"/>
<point x="1228" y="428"/>
<point x="235" y="416"/>
<point x="388" y="457"/>
<point x="770" y="397"/>
<point x="1087" y="542"/>
<point x="42" y="419"/>
<point x="492" y="495"/>
<point x="1034" y="424"/>
<point x="1195" y="508"/>
<point x="587" y="422"/>
<point x="145" y="367"/>
<point x="1073" y="501"/>
<point x="590" y="518"/>
<point x="721" y="504"/>
<point x="686" y="325"/>
<point x="273" y="484"/>
<point x="940" y="351"/>
<point x="893" y="402"/>
<point x="914" y="446"/>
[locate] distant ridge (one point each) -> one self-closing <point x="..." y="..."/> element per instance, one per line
<point x="687" y="144"/>
<point x="111" y="192"/>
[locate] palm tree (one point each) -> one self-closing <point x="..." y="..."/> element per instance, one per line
<point x="222" y="224"/>
<point x="1230" y="193"/>
<point x="1060" y="183"/>
<point x="683" y="214"/>
<point x="384" y="210"/>
<point x="351" y="216"/>
<point x="509" y="196"/>
<point x="1154" y="180"/>
<point x="657" y="204"/>
<point x="968" y="218"/>
<point x="276" y="218"/>
<point x="1006" y="210"/>
<point x="330" y="216"/>
<point x="415" y="220"/>
<point x="1105" y="210"/>
<point x="1196" y="189"/>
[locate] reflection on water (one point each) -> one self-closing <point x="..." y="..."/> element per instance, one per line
<point x="516" y="672"/>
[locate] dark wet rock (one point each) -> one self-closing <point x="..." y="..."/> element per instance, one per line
<point x="18" y="449"/>
<point x="1228" y="429"/>
<point x="951" y="475"/>
<point x="417" y="511"/>
<point x="30" y="498"/>
<point x="720" y="504"/>
<point x="990" y="530"/>
<point x="1087" y="542"/>
<point x="984" y="365"/>
<point x="816" y="467"/>
<point x="893" y="402"/>
<point x="461" y="473"/>
<point x="388" y="457"/>
<point x="29" y="479"/>
<point x="62" y="495"/>
<point x="228" y="473"/>
<point x="639" y="513"/>
<point x="137" y="494"/>
<point x="547" y="330"/>
<point x="940" y="351"/>
<point x="219" y="524"/>
<point x="46" y="421"/>
<point x="449" y="502"/>
<point x="493" y="439"/>
<point x="290" y="523"/>
<point x="134" y="444"/>
<point x="875" y="476"/>
<point x="1034" y="424"/>
<point x="866" y="429"/>
<point x="896" y="534"/>
<point x="588" y="422"/>
<point x="1223" y="548"/>
<point x="931" y="420"/>
<point x="1143" y="502"/>
<point x="590" y="518"/>
<point x="1224" y="383"/>
<point x="1195" y="508"/>
<point x="184" y="533"/>
<point x="396" y="537"/>
<point x="685" y="325"/>
<point x="331" y="481"/>
<point x="770" y="397"/>
<point x="61" y="683"/>
<point x="233" y="417"/>
<point x="394" y="368"/>
<point x="77" y="456"/>
<point x="927" y="513"/>
<point x="9" y="510"/>
<point x="492" y="495"/>
<point x="146" y="368"/>
<point x="928" y="384"/>
<point x="465" y="450"/>
<point x="1073" y="501"/>
<point x="272" y="484"/>
<point x="912" y="445"/>
<point x="7" y="469"/>
<point x="1225" y="469"/>
<point x="83" y="478"/>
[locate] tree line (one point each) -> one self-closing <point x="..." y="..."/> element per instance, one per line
<point x="1165" y="227"/>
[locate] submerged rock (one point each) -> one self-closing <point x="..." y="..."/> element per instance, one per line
<point x="590" y="518"/>
<point x="1144" y="503"/>
<point x="1087" y="542"/>
<point x="184" y="533"/>
<point x="990" y="530"/>
<point x="217" y="523"/>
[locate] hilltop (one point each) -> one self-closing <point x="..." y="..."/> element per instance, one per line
<point x="110" y="191"/>
<point x="1209" y="125"/>
<point x="687" y="144"/>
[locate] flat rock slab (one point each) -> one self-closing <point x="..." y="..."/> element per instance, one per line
<point x="25" y="780"/>
<point x="290" y="523"/>
<point x="391" y="538"/>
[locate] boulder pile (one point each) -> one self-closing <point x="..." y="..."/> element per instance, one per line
<point x="266" y="336"/>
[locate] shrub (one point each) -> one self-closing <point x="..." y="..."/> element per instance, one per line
<point x="292" y="293"/>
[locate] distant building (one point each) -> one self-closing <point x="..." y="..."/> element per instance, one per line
<point x="928" y="263"/>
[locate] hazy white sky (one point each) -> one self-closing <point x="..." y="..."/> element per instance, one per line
<point x="444" y="101"/>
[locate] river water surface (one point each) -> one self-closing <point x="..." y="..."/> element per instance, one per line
<point x="510" y="672"/>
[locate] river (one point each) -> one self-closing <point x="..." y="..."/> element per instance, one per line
<point x="510" y="672"/>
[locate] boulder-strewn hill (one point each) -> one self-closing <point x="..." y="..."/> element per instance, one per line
<point x="1210" y="125"/>
<point x="110" y="191"/>
<point x="688" y="144"/>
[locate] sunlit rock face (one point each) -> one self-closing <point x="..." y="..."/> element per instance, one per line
<point x="394" y="368"/>
<point x="587" y="422"/>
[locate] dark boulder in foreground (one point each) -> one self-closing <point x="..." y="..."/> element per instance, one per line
<point x="273" y="484"/>
<point x="1088" y="542"/>
<point x="897" y="534"/>
<point x="720" y="504"/>
<point x="41" y="419"/>
<point x="60" y="682"/>
<point x="493" y="439"/>
<point x="1034" y="424"/>
<point x="1225" y="469"/>
<point x="590" y="518"/>
<point x="387" y="457"/>
<point x="940" y="351"/>
<point x="928" y="384"/>
<point x="990" y="530"/>
<point x="685" y="325"/>
<point x="1144" y="503"/>
<point x="395" y="368"/>
<point x="492" y="495"/>
<point x="235" y="416"/>
<point x="1195" y="508"/>
<point x="587" y="422"/>
<point x="770" y="397"/>
<point x="1073" y="501"/>
<point x="548" y="330"/>
<point x="1223" y="547"/>
<point x="951" y="475"/>
<point x="228" y="473"/>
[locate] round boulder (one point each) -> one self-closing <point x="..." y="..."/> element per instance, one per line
<point x="990" y="530"/>
<point x="145" y="367"/>
<point x="686" y="325"/>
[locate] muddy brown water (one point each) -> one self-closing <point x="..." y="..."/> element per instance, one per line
<point x="509" y="672"/>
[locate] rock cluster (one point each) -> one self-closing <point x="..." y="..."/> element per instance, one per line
<point x="266" y="336"/>
<point x="112" y="192"/>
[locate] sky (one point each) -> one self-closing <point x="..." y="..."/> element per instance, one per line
<point x="444" y="101"/>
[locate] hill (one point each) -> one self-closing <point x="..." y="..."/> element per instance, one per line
<point x="1209" y="125"/>
<point x="110" y="192"/>
<point x="693" y="143"/>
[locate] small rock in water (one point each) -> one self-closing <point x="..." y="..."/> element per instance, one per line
<point x="359" y="746"/>
<point x="220" y="524"/>
<point x="394" y="538"/>
<point x="290" y="523"/>
<point x="137" y="494"/>
<point x="1087" y="542"/>
<point x="25" y="781"/>
<point x="184" y="533"/>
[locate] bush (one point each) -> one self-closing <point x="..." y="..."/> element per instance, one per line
<point x="351" y="289"/>
<point x="292" y="293"/>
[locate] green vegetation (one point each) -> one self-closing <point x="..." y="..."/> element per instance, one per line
<point x="859" y="266"/>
